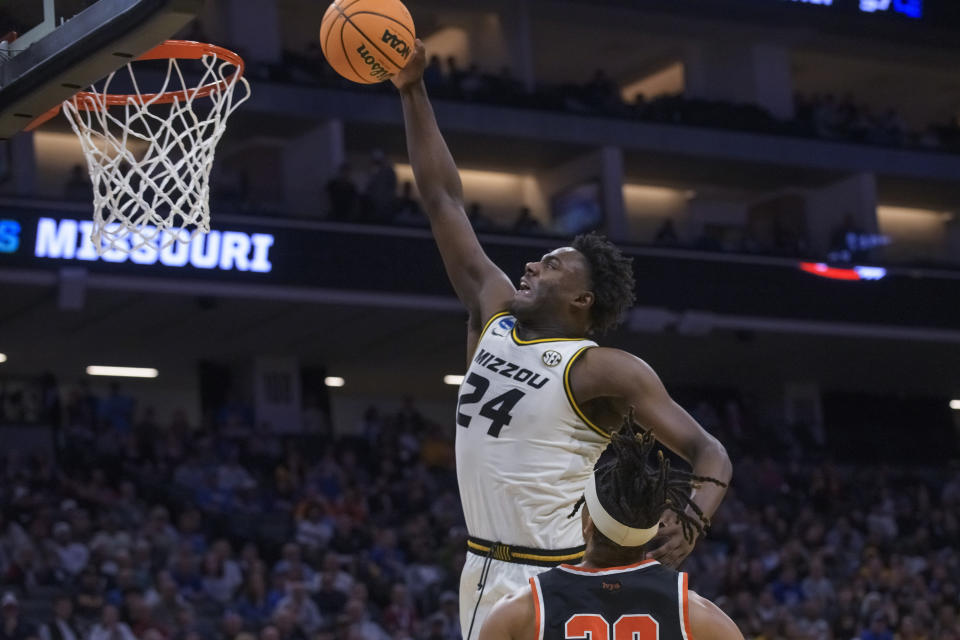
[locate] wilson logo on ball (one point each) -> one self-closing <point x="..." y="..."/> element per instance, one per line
<point x="396" y="43"/>
<point x="376" y="69"/>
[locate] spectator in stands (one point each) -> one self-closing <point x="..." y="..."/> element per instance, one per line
<point x="111" y="627"/>
<point x="185" y="572"/>
<point x="878" y="629"/>
<point x="360" y="624"/>
<point x="505" y="86"/>
<point x="477" y="219"/>
<point x="471" y="84"/>
<point x="13" y="626"/>
<point x="667" y="234"/>
<point x="269" y="632"/>
<point x="786" y="589"/>
<point x="381" y="189"/>
<point x="343" y="196"/>
<point x="71" y="555"/>
<point x="287" y="626"/>
<point x="386" y="554"/>
<point x="526" y="224"/>
<point x="117" y="410"/>
<point x="292" y="562"/>
<point x="89" y="598"/>
<point x="601" y="93"/>
<point x="400" y="616"/>
<point x="816" y="586"/>
<point x="231" y="475"/>
<point x="314" y="531"/>
<point x="190" y="532"/>
<point x="300" y="608"/>
<point x="158" y="530"/>
<point x="436" y="628"/>
<point x="165" y="601"/>
<point x="138" y="614"/>
<point x="28" y="568"/>
<point x="110" y="537"/>
<point x="433" y="74"/>
<point x="231" y="625"/>
<point x="330" y="600"/>
<point x="894" y="131"/>
<point x="216" y="584"/>
<point x="406" y="209"/>
<point x="454" y="75"/>
<point x="62" y="626"/>
<point x="254" y="604"/>
<point x="450" y="615"/>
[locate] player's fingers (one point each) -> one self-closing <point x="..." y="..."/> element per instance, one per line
<point x="661" y="552"/>
<point x="665" y="557"/>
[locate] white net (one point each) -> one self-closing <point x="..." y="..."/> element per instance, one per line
<point x="149" y="159"/>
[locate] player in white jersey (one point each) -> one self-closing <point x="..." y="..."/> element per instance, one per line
<point x="539" y="398"/>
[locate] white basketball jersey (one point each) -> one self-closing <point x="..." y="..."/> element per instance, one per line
<point x="524" y="448"/>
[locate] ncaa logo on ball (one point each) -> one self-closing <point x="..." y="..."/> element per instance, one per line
<point x="396" y="43"/>
<point x="551" y="358"/>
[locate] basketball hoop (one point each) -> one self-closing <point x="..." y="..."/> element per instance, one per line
<point x="150" y="165"/>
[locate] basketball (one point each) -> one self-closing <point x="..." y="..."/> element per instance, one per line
<point x="367" y="41"/>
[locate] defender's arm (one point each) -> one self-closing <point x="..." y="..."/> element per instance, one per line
<point x="514" y="617"/>
<point x="709" y="622"/>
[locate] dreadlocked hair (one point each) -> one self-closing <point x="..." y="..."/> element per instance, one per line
<point x="611" y="280"/>
<point x="636" y="493"/>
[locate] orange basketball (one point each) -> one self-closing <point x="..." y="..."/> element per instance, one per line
<point x="367" y="41"/>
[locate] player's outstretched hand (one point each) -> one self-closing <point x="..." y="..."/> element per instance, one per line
<point x="413" y="72"/>
<point x="670" y="547"/>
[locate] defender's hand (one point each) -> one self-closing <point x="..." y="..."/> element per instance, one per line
<point x="412" y="74"/>
<point x="669" y="547"/>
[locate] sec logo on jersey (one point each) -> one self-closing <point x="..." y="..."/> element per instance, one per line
<point x="551" y="358"/>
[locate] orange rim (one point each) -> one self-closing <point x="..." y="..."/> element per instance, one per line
<point x="180" y="49"/>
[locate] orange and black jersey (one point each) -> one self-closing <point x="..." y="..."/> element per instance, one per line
<point x="644" y="601"/>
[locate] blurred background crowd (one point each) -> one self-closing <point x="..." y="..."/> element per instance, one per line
<point x="139" y="530"/>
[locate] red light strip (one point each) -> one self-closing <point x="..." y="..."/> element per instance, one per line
<point x="833" y="273"/>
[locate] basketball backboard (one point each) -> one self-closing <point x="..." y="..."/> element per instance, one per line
<point x="69" y="44"/>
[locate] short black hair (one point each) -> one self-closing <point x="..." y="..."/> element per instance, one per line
<point x="611" y="280"/>
<point x="636" y="493"/>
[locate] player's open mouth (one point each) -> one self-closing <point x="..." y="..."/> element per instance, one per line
<point x="523" y="289"/>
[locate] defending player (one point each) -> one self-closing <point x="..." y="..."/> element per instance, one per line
<point x="539" y="398"/>
<point x="615" y="589"/>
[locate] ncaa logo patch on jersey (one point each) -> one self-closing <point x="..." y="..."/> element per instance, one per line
<point x="552" y="358"/>
<point x="503" y="326"/>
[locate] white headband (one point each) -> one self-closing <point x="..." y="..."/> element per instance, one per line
<point x="618" y="532"/>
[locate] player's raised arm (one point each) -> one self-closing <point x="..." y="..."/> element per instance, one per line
<point x="479" y="283"/>
<point x="629" y="382"/>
